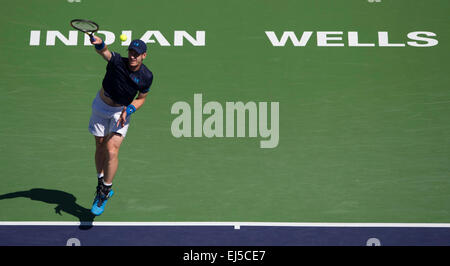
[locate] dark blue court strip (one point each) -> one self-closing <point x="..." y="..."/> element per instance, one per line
<point x="62" y="235"/>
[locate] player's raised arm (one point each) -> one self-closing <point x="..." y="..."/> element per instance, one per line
<point x="101" y="48"/>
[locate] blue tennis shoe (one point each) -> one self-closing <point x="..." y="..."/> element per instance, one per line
<point x="101" y="198"/>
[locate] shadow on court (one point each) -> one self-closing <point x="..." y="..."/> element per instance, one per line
<point x="66" y="202"/>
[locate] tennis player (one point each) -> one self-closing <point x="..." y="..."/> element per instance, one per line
<point x="112" y="108"/>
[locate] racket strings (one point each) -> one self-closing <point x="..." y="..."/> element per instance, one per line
<point x="85" y="26"/>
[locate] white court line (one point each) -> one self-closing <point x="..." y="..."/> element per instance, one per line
<point x="236" y="225"/>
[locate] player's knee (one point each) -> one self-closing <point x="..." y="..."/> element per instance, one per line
<point x="112" y="149"/>
<point x="112" y="146"/>
<point x="112" y="154"/>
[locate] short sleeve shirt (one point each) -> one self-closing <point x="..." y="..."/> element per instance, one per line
<point x="121" y="84"/>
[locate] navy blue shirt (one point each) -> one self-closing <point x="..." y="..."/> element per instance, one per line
<point x="121" y="84"/>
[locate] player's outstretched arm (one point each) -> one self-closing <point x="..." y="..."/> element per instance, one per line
<point x="101" y="48"/>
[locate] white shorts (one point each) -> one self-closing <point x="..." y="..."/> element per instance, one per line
<point x="104" y="119"/>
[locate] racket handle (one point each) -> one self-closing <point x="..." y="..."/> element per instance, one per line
<point x="91" y="36"/>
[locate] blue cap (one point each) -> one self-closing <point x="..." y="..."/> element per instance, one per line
<point x="139" y="46"/>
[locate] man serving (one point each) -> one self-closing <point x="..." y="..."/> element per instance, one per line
<point x="111" y="110"/>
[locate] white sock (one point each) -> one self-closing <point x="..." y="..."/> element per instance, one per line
<point x="100" y="175"/>
<point x="107" y="184"/>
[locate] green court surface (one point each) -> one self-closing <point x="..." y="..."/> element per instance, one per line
<point x="364" y="133"/>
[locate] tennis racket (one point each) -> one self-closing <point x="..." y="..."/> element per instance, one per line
<point x="86" y="26"/>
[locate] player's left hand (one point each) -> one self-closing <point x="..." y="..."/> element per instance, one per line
<point x="123" y="118"/>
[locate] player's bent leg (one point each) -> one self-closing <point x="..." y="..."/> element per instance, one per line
<point x="112" y="145"/>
